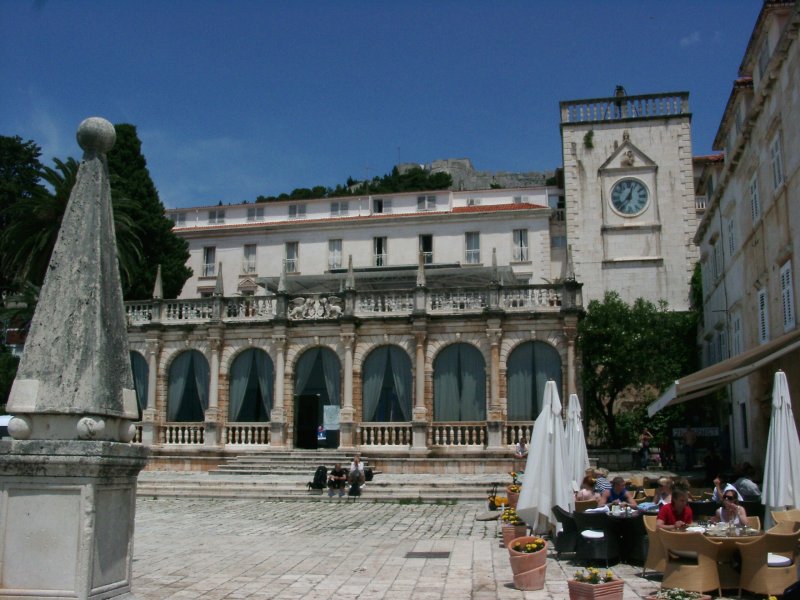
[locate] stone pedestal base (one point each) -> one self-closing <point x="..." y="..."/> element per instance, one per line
<point x="66" y="518"/>
<point x="277" y="434"/>
<point x="346" y="431"/>
<point x="494" y="435"/>
<point x="419" y="436"/>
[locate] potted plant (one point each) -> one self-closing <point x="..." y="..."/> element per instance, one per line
<point x="513" y="490"/>
<point x="677" y="594"/>
<point x="592" y="583"/>
<point x="528" y="557"/>
<point x="513" y="526"/>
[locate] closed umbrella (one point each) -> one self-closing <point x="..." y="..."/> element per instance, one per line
<point x="577" y="456"/>
<point x="781" y="486"/>
<point x="546" y="483"/>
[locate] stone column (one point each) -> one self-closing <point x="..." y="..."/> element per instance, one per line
<point x="347" y="439"/>
<point x="212" y="425"/>
<point x="278" y="413"/>
<point x="419" y="425"/>
<point x="496" y="419"/>
<point x="68" y="478"/>
<point x="149" y="414"/>
<point x="571" y="333"/>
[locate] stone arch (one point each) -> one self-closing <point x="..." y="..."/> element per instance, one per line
<point x="250" y="386"/>
<point x="317" y="384"/>
<point x="459" y="383"/>
<point x="233" y="349"/>
<point x="528" y="367"/>
<point x="387" y="385"/>
<point x="141" y="379"/>
<point x="188" y="380"/>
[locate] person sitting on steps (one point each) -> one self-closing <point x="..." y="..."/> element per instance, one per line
<point x="356" y="477"/>
<point x="337" y="480"/>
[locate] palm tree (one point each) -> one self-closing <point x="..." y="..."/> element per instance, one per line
<point x="33" y="226"/>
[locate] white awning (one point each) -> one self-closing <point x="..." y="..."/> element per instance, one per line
<point x="721" y="374"/>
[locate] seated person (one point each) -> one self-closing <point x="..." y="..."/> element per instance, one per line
<point x="745" y="485"/>
<point x="676" y="514"/>
<point x="601" y="482"/>
<point x="721" y="486"/>
<point x="587" y="490"/>
<point x="521" y="450"/>
<point x="663" y="493"/>
<point x="337" y="480"/>
<point x="683" y="484"/>
<point x="618" y="494"/>
<point x="730" y="511"/>
<point x="357" y="471"/>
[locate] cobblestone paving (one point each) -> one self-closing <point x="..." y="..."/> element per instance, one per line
<point x="237" y="549"/>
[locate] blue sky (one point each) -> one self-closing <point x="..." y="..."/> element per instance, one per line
<point x="240" y="98"/>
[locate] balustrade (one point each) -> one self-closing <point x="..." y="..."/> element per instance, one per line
<point x="183" y="434"/>
<point x="529" y="298"/>
<point x="249" y="308"/>
<point x="386" y="303"/>
<point x="456" y="434"/>
<point x="137" y="436"/>
<point x="460" y="301"/>
<point x="200" y="309"/>
<point x="625" y="107"/>
<point x="385" y="434"/>
<point x="516" y="429"/>
<point x="246" y="434"/>
<point x="139" y="313"/>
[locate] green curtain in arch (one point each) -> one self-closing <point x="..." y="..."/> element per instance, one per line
<point x="251" y="377"/>
<point x="528" y="368"/>
<point x="387" y="379"/>
<point x="330" y="369"/>
<point x="187" y="388"/>
<point x="140" y="373"/>
<point x="459" y="384"/>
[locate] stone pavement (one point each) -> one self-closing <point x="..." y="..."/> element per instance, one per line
<point x="250" y="548"/>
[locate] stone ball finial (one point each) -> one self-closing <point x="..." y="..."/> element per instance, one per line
<point x="97" y="135"/>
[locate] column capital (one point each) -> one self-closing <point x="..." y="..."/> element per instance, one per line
<point x="279" y="341"/>
<point x="495" y="335"/>
<point x="348" y="339"/>
<point x="214" y="344"/>
<point x="153" y="345"/>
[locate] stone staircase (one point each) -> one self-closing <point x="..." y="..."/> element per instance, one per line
<point x="285" y="475"/>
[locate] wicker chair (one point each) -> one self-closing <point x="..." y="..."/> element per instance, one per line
<point x="582" y="505"/>
<point x="769" y="564"/>
<point x="792" y="515"/>
<point x="753" y="522"/>
<point x="599" y="538"/>
<point x="567" y="538"/>
<point x="656" y="557"/>
<point x="696" y="574"/>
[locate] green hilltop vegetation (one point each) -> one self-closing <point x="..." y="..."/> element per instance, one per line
<point x="413" y="180"/>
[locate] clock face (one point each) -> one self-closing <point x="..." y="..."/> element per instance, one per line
<point x="629" y="196"/>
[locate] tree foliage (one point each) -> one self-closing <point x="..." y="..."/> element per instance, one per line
<point x="413" y="180"/>
<point x="632" y="349"/>
<point x="8" y="370"/>
<point x="131" y="183"/>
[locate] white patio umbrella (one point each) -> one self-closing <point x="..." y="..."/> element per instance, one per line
<point x="577" y="456"/>
<point x="546" y="483"/>
<point x="781" y="486"/>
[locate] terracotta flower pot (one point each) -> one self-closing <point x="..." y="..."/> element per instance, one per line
<point x="513" y="498"/>
<point x="525" y="561"/>
<point x="511" y="532"/>
<point x="530" y="580"/>
<point x="612" y="590"/>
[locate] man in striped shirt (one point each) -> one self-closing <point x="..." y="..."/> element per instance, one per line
<point x="601" y="482"/>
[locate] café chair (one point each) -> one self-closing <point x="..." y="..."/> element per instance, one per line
<point x="656" y="557"/>
<point x="599" y="538"/>
<point x="566" y="539"/>
<point x="691" y="561"/>
<point x="769" y="563"/>
<point x="583" y="505"/>
<point x="753" y="522"/>
<point x="792" y="515"/>
<point x="649" y="494"/>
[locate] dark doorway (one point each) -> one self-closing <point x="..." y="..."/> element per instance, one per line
<point x="309" y="416"/>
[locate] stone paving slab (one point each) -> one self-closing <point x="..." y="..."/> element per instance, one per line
<point x="228" y="549"/>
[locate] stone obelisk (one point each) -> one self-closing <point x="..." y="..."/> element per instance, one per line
<point x="68" y="478"/>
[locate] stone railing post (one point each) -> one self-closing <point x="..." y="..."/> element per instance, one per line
<point x="213" y="429"/>
<point x="347" y="412"/>
<point x="149" y="414"/>
<point x="278" y="413"/>
<point x="419" y="423"/>
<point x="495" y="421"/>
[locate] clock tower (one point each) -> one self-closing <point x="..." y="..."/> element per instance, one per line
<point x="629" y="196"/>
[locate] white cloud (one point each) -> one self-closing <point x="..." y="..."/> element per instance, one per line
<point x="691" y="39"/>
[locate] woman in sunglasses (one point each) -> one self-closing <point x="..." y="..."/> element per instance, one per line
<point x="730" y="511"/>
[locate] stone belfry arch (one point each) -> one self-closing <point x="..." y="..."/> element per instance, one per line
<point x="68" y="479"/>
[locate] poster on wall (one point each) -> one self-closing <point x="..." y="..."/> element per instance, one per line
<point x="331" y="417"/>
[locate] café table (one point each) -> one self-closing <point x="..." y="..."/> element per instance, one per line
<point x="629" y="526"/>
<point x="728" y="536"/>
